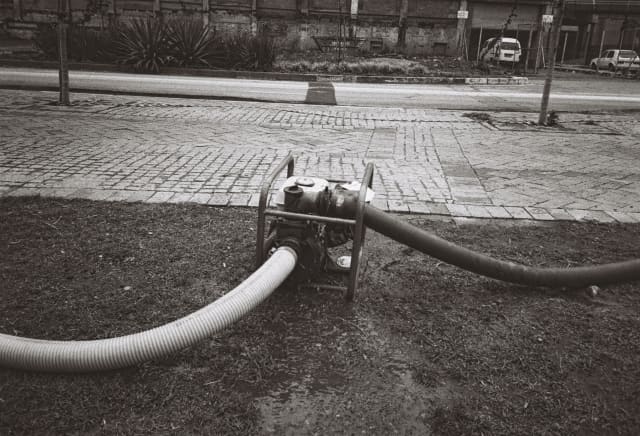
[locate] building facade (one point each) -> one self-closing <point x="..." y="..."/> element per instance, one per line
<point x="416" y="27"/>
<point x="588" y="27"/>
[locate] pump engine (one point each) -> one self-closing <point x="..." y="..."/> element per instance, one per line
<point x="315" y="196"/>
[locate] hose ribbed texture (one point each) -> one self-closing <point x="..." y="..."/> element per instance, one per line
<point x="123" y="351"/>
<point x="507" y="271"/>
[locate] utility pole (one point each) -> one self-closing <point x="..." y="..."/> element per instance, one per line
<point x="339" y="31"/>
<point x="64" y="16"/>
<point x="556" y="26"/>
<point x="463" y="14"/>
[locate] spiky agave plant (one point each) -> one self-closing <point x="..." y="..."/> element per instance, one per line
<point x="144" y="44"/>
<point x="191" y="42"/>
<point x="253" y="52"/>
<point x="265" y="50"/>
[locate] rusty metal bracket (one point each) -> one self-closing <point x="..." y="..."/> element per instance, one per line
<point x="288" y="162"/>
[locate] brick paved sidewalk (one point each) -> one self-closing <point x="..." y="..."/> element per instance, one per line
<point x="123" y="148"/>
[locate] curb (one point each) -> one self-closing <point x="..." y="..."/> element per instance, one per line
<point x="457" y="211"/>
<point x="496" y="80"/>
<point x="300" y="77"/>
<point x="576" y="69"/>
<point x="586" y="70"/>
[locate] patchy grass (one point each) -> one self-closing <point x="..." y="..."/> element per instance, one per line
<point x="364" y="67"/>
<point x="479" y="116"/>
<point x="328" y="63"/>
<point x="425" y="348"/>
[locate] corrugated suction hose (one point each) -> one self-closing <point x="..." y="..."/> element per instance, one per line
<point x="487" y="266"/>
<point x="123" y="351"/>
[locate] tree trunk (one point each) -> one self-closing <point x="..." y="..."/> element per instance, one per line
<point x="63" y="72"/>
<point x="555" y="38"/>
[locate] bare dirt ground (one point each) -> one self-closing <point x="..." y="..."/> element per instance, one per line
<point x="425" y="349"/>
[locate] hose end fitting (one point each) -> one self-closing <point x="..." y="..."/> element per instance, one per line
<point x="293" y="245"/>
<point x="343" y="203"/>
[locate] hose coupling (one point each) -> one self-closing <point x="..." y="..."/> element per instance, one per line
<point x="294" y="244"/>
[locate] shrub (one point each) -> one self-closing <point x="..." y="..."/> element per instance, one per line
<point x="245" y="51"/>
<point x="322" y="66"/>
<point x="193" y="44"/>
<point x="143" y="44"/>
<point x="83" y="44"/>
<point x="356" y="68"/>
<point x="338" y="68"/>
<point x="46" y="40"/>
<point x="90" y="45"/>
<point x="399" y="69"/>
<point x="149" y="44"/>
<point x="382" y="68"/>
<point x="303" y="66"/>
<point x="418" y="70"/>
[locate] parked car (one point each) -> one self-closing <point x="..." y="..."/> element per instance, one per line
<point x="613" y="60"/>
<point x="501" y="50"/>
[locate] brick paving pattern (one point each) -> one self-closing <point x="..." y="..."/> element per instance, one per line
<point x="124" y="148"/>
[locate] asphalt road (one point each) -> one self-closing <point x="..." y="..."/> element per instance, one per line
<point x="522" y="97"/>
<point x="568" y="94"/>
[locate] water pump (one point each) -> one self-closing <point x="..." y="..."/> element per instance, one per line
<point x="312" y="215"/>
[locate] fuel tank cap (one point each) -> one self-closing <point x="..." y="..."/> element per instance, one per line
<point x="305" y="181"/>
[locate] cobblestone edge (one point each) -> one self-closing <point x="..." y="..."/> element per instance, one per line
<point x="452" y="210"/>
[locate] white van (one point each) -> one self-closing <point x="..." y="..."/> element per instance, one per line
<point x="501" y="50"/>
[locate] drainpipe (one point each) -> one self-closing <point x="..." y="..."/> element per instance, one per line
<point x="354" y="19"/>
<point x="526" y="59"/>
<point x="303" y="7"/>
<point x="479" y="45"/>
<point x="402" y="25"/>
<point x="113" y="13"/>
<point x="254" y="19"/>
<point x="205" y="12"/>
<point x="17" y="9"/>
<point x="564" y="47"/>
<point x="587" y="47"/>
